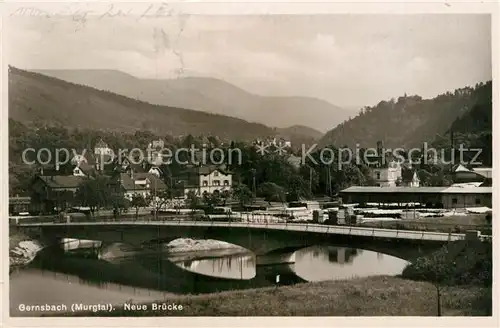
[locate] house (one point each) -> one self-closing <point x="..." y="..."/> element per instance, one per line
<point x="156" y="170"/>
<point x="384" y="169"/>
<point x="88" y="164"/>
<point x="387" y="175"/>
<point x="462" y="174"/>
<point x="144" y="184"/>
<point x="55" y="192"/>
<point x="19" y="205"/>
<point x="102" y="149"/>
<point x="486" y="172"/>
<point x="447" y="197"/>
<point x="295" y="161"/>
<point x="156" y="153"/>
<point x="83" y="169"/>
<point x="128" y="165"/>
<point x="102" y="156"/>
<point x="206" y="180"/>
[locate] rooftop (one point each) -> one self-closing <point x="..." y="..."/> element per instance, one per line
<point x="207" y="169"/>
<point x="129" y="184"/>
<point x="62" y="181"/>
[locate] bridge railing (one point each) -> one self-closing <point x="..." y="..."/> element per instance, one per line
<point x="290" y="226"/>
<point x="400" y="225"/>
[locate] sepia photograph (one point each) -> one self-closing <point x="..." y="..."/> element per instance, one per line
<point x="167" y="163"/>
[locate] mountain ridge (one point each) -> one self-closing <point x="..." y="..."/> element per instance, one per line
<point x="212" y="95"/>
<point x="409" y="120"/>
<point x="36" y="97"/>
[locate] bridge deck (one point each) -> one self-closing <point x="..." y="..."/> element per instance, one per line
<point x="299" y="227"/>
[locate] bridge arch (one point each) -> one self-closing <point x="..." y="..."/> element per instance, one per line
<point x="259" y="240"/>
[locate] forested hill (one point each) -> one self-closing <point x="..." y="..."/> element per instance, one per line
<point x="411" y="120"/>
<point x="474" y="128"/>
<point x="45" y="100"/>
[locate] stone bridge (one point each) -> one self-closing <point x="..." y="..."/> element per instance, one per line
<point x="269" y="239"/>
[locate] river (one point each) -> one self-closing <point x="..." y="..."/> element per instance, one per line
<point x="118" y="273"/>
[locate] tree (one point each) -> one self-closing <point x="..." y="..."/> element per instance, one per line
<point x="272" y="192"/>
<point x="488" y="218"/>
<point x="192" y="201"/>
<point x="138" y="201"/>
<point x="94" y="193"/>
<point x="211" y="200"/>
<point x="243" y="194"/>
<point x="158" y="199"/>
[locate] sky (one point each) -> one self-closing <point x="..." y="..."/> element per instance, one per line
<point x="348" y="60"/>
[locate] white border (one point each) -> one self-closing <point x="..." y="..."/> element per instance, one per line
<point x="255" y="7"/>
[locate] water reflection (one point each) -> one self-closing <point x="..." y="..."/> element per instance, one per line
<point x="228" y="267"/>
<point x="319" y="263"/>
<point x="316" y="263"/>
<point x="107" y="273"/>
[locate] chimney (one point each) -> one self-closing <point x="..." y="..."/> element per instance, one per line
<point x="379" y="152"/>
<point x="379" y="147"/>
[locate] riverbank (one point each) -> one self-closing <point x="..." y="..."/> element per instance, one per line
<point x="22" y="250"/>
<point x="373" y="296"/>
<point x="459" y="271"/>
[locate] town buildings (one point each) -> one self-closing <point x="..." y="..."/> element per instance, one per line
<point x="385" y="170"/>
<point x="447" y="197"/>
<point x="462" y="174"/>
<point x="143" y="184"/>
<point x="209" y="179"/>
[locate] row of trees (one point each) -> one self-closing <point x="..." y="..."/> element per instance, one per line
<point x="271" y="176"/>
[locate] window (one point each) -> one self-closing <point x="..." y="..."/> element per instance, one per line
<point x="377" y="174"/>
<point x="454" y="201"/>
<point x="478" y="201"/>
<point x="216" y="183"/>
<point x="216" y="173"/>
<point x="205" y="183"/>
<point x="226" y="182"/>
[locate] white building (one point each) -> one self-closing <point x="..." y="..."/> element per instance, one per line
<point x="207" y="180"/>
<point x="387" y="176"/>
<point x="102" y="149"/>
<point x="157" y="154"/>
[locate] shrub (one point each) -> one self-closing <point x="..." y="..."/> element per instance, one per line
<point x="488" y="218"/>
<point x="460" y="262"/>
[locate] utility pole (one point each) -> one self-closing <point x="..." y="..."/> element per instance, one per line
<point x="171" y="189"/>
<point x="254" y="187"/>
<point x="310" y="180"/>
<point x="155" y="201"/>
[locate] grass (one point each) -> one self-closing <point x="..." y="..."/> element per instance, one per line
<point x="374" y="296"/>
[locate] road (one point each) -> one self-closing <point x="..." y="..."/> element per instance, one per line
<point x="299" y="227"/>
